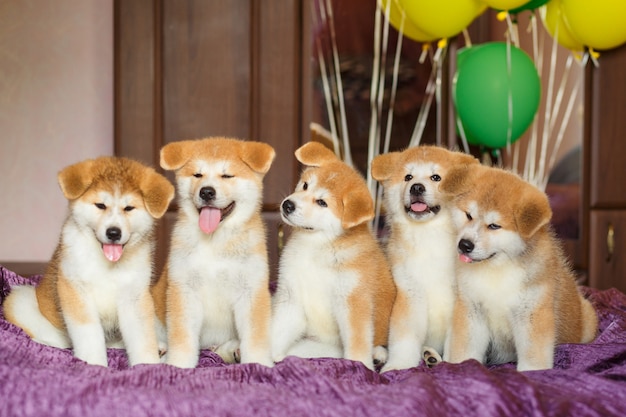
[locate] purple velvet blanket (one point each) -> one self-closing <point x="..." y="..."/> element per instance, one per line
<point x="588" y="380"/>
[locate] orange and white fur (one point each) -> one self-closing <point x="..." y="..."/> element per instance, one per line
<point x="517" y="297"/>
<point x="214" y="290"/>
<point x="420" y="249"/>
<point x="335" y="289"/>
<point x="96" y="289"/>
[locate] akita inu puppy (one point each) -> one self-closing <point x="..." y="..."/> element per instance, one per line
<point x="420" y="249"/>
<point x="214" y="290"/>
<point x="335" y="289"/>
<point x="516" y="297"/>
<point x="96" y="289"/>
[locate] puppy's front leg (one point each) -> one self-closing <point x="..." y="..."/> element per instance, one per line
<point x="138" y="327"/>
<point x="356" y="329"/>
<point x="535" y="336"/>
<point x="83" y="324"/>
<point x="184" y="322"/>
<point x="288" y="325"/>
<point x="468" y="337"/>
<point x="407" y="331"/>
<point x="253" y="316"/>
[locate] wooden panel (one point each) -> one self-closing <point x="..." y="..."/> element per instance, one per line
<point x="206" y="68"/>
<point x="136" y="105"/>
<point x="608" y="124"/>
<point x="278" y="93"/>
<point x="607" y="270"/>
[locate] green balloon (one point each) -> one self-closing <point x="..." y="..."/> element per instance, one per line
<point x="482" y="87"/>
<point x="531" y="5"/>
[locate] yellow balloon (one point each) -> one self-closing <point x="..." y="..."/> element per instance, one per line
<point x="442" y="18"/>
<point x="552" y="16"/>
<point x="599" y="24"/>
<point x="505" y="4"/>
<point x="395" y="19"/>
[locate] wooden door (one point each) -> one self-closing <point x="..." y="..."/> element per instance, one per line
<point x="608" y="242"/>
<point x="196" y="68"/>
<point x="605" y="162"/>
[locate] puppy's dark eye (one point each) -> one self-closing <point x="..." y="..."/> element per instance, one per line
<point x="469" y="216"/>
<point x="101" y="206"/>
<point x="321" y="203"/>
<point x="435" y="178"/>
<point x="197" y="175"/>
<point x="305" y="186"/>
<point x="408" y="177"/>
<point x="129" y="208"/>
<point x="494" y="226"/>
<point x="227" y="176"/>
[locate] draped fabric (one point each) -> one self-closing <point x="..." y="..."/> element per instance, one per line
<point x="587" y="380"/>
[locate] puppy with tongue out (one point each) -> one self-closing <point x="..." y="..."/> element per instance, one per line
<point x="214" y="290"/>
<point x="421" y="250"/>
<point x="95" y="292"/>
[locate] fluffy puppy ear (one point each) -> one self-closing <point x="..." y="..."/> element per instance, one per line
<point x="157" y="192"/>
<point x="383" y="166"/>
<point x="314" y="154"/>
<point x="258" y="156"/>
<point x="358" y="207"/>
<point x="461" y="158"/>
<point x="76" y="179"/>
<point x="533" y="212"/>
<point x="176" y="154"/>
<point x="456" y="179"/>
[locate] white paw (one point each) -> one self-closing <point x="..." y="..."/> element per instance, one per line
<point x="431" y="357"/>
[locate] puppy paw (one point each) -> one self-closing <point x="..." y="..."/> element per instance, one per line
<point x="431" y="357"/>
<point x="380" y="356"/>
<point x="162" y="352"/>
<point x="229" y="351"/>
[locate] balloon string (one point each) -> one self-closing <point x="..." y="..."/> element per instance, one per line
<point x="548" y="110"/>
<point x="509" y="129"/>
<point x="381" y="83"/>
<point x="466" y="37"/>
<point x="561" y="134"/>
<point x="342" y="108"/>
<point x="530" y="161"/>
<point x="394" y="87"/>
<point x="377" y="191"/>
<point x="420" y="124"/>
<point x="374" y="93"/>
<point x="328" y="96"/>
<point x="461" y="129"/>
<point x="531" y="146"/>
<point x="374" y="87"/>
<point x="512" y="30"/>
<point x="560" y="93"/>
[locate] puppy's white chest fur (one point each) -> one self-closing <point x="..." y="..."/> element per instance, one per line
<point x="497" y="291"/>
<point x="101" y="282"/>
<point x="312" y="278"/>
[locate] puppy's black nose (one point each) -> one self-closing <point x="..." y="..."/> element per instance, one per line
<point x="418" y="189"/>
<point x="207" y="193"/>
<point x="288" y="207"/>
<point x="466" y="246"/>
<point x="114" y="234"/>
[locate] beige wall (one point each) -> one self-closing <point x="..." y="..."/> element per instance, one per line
<point x="56" y="108"/>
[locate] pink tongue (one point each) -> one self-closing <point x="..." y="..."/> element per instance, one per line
<point x="464" y="258"/>
<point x="418" y="207"/>
<point x="209" y="219"/>
<point x="112" y="252"/>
